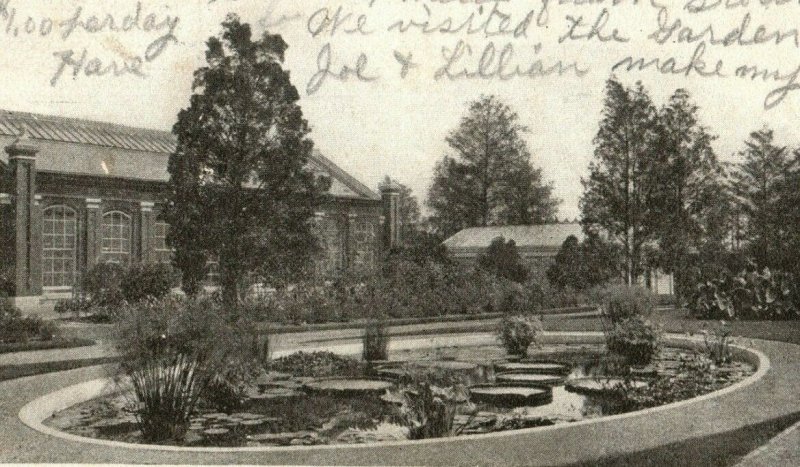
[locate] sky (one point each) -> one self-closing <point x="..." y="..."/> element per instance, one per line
<point x="397" y="126"/>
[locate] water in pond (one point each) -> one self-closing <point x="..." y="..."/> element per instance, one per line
<point x="289" y="410"/>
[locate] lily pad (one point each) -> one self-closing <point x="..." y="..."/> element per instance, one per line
<point x="529" y="379"/>
<point x="534" y="368"/>
<point x="449" y="365"/>
<point x="510" y="395"/>
<point x="349" y="387"/>
<point x="599" y="385"/>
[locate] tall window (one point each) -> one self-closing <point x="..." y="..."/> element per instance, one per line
<point x="364" y="233"/>
<point x="331" y="261"/>
<point x="212" y="272"/>
<point x="59" y="252"/>
<point x="116" y="238"/>
<point x="163" y="253"/>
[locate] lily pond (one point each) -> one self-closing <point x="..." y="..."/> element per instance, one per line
<point x="464" y="390"/>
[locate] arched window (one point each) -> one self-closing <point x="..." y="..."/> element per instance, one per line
<point x="116" y="238"/>
<point x="59" y="251"/>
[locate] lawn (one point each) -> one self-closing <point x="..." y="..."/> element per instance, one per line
<point x="679" y="321"/>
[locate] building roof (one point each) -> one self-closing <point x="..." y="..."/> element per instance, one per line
<point x="100" y="149"/>
<point x="544" y="236"/>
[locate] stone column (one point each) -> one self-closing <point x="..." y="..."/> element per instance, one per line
<point x="26" y="230"/>
<point x="93" y="234"/>
<point x="390" y="194"/>
<point x="146" y="221"/>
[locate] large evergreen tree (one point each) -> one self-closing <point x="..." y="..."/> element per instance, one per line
<point x="622" y="188"/>
<point x="488" y="179"/>
<point x="240" y="191"/>
<point x="764" y="185"/>
<point x="690" y="192"/>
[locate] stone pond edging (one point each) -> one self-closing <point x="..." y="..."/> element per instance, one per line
<point x="508" y="447"/>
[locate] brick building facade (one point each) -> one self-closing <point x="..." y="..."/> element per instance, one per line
<point x="74" y="193"/>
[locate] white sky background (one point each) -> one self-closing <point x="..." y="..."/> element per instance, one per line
<point x="397" y="126"/>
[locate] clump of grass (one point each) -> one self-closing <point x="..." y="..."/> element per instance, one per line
<point x="166" y="394"/>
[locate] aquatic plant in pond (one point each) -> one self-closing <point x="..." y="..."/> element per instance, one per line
<point x="717" y="343"/>
<point x="376" y="342"/>
<point x="621" y="302"/>
<point x="429" y="411"/>
<point x="634" y="338"/>
<point x="517" y="333"/>
<point x="694" y="376"/>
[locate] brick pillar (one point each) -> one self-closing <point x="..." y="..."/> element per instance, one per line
<point x="146" y="220"/>
<point x="390" y="194"/>
<point x="93" y="234"/>
<point x="26" y="230"/>
<point x="350" y="239"/>
<point x="8" y="251"/>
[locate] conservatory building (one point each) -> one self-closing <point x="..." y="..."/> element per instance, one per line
<point x="75" y="193"/>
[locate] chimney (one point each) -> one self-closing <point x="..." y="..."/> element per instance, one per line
<point x="390" y="194"/>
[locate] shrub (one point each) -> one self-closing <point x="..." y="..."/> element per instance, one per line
<point x="622" y="302"/>
<point x="76" y="305"/>
<point x="103" y="284"/>
<point x="421" y="248"/>
<point x="7" y="285"/>
<point x="47" y="330"/>
<point x="146" y="280"/>
<point x="635" y="339"/>
<point x="404" y="289"/>
<point x="502" y="260"/>
<point x="749" y="295"/>
<point x="173" y="350"/>
<point x="583" y="265"/>
<point x="376" y="342"/>
<point x="16" y="328"/>
<point x="317" y="364"/>
<point x="517" y="333"/>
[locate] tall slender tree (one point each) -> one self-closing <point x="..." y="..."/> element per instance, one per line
<point x="488" y="179"/>
<point x="240" y="191"/>
<point x="621" y="191"/>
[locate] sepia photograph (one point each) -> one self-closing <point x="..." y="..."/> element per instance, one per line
<point x="400" y="232"/>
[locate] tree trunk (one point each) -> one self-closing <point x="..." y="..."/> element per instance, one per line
<point x="230" y="288"/>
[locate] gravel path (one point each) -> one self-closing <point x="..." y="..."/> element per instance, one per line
<point x="783" y="450"/>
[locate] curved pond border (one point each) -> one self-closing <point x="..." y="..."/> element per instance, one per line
<point x="37" y="411"/>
